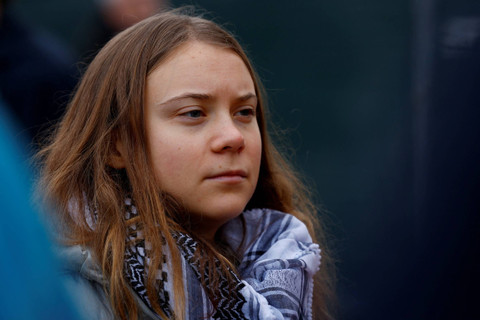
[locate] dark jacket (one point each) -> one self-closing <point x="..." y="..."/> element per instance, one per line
<point x="86" y="281"/>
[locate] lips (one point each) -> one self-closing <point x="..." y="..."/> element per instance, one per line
<point x="229" y="176"/>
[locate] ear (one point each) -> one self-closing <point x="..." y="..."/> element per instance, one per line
<point x="117" y="158"/>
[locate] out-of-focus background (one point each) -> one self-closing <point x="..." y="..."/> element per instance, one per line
<point x="380" y="101"/>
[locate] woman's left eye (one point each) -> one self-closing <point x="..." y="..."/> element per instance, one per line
<point x="247" y="112"/>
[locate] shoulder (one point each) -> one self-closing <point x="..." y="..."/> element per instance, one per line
<point x="84" y="278"/>
<point x="79" y="260"/>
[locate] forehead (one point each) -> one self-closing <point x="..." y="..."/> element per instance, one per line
<point x="199" y="66"/>
<point x="194" y="48"/>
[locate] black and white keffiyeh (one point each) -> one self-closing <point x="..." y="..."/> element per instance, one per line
<point x="275" y="278"/>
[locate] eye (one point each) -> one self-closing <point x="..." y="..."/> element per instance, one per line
<point x="195" y="114"/>
<point x="245" y="114"/>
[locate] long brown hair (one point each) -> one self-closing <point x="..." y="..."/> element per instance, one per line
<point x="107" y="107"/>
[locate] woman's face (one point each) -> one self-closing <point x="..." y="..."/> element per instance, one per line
<point x="203" y="136"/>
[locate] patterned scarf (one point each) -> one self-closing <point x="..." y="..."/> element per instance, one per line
<point x="276" y="271"/>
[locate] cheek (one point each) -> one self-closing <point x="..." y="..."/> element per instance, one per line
<point x="173" y="162"/>
<point x="256" y="150"/>
<point x="255" y="154"/>
<point x="163" y="154"/>
<point x="167" y="162"/>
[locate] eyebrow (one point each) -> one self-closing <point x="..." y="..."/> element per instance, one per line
<point x="203" y="96"/>
<point x="246" y="97"/>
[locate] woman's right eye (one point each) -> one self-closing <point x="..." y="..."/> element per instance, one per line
<point x="193" y="114"/>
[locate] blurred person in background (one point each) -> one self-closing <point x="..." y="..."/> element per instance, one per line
<point x="113" y="16"/>
<point x="32" y="286"/>
<point x="39" y="69"/>
<point x="37" y="73"/>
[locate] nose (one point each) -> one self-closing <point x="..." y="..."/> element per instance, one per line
<point x="228" y="137"/>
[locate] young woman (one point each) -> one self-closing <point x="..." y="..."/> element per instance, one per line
<point x="174" y="201"/>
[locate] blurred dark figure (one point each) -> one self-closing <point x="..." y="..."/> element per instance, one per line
<point x="114" y="16"/>
<point x="448" y="209"/>
<point x="33" y="286"/>
<point x="36" y="74"/>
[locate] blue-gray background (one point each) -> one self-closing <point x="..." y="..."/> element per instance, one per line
<point x="380" y="102"/>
